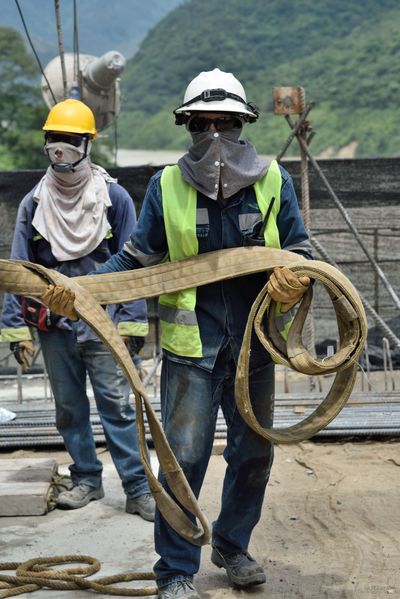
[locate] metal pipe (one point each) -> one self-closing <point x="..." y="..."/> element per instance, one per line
<point x="388" y="365"/>
<point x="61" y="47"/>
<point x="367" y="367"/>
<point x="295" y="130"/>
<point x="390" y="432"/>
<point x="101" y="73"/>
<point x="19" y="384"/>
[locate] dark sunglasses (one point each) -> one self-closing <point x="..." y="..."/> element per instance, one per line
<point x="73" y="140"/>
<point x="200" y="124"/>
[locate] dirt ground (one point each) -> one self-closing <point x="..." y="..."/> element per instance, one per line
<point x="330" y="526"/>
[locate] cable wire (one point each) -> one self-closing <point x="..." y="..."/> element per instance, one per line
<point x="34" y="51"/>
<point x="76" y="47"/>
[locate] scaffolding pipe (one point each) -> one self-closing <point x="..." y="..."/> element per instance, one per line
<point x="346" y="217"/>
<point x="61" y="48"/>
<point x="294" y="131"/>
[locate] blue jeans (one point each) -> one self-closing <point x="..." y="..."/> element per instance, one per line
<point x="68" y="363"/>
<point x="190" y="399"/>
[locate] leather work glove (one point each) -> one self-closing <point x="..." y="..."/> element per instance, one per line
<point x="286" y="287"/>
<point x="21" y="351"/>
<point x="60" y="300"/>
<point x="133" y="344"/>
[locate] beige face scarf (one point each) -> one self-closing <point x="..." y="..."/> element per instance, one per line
<point x="72" y="207"/>
<point x="221" y="163"/>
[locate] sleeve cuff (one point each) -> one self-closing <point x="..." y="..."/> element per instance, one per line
<point x="20" y="334"/>
<point x="133" y="329"/>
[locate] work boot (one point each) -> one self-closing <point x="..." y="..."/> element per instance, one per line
<point x="242" y="570"/>
<point x="144" y="505"/>
<point x="79" y="496"/>
<point x="182" y="589"/>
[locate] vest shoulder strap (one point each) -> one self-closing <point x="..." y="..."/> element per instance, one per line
<point x="269" y="187"/>
<point x="179" y="202"/>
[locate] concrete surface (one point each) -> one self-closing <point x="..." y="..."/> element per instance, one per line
<point x="102" y="529"/>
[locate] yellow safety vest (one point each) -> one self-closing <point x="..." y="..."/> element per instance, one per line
<point x="180" y="332"/>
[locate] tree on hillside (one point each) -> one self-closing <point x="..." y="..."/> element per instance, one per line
<point x="22" y="111"/>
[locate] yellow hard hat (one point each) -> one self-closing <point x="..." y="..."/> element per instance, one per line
<point x="71" y="116"/>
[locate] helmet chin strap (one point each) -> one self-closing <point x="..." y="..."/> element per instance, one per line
<point x="68" y="167"/>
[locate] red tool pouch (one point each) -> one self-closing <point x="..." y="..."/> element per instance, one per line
<point x="35" y="313"/>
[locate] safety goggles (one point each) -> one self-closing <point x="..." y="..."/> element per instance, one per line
<point x="73" y="140"/>
<point x="200" y="124"/>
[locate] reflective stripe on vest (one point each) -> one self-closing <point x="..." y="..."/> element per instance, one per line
<point x="180" y="332"/>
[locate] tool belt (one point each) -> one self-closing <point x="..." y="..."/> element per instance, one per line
<point x="25" y="278"/>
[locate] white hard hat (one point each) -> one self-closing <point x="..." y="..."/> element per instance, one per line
<point x="215" y="91"/>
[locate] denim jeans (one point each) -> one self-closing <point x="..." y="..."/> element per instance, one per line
<point x="68" y="363"/>
<point x="190" y="399"/>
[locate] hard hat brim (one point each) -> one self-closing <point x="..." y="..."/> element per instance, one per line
<point x="69" y="129"/>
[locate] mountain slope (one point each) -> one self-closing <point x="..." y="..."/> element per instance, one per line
<point x="345" y="53"/>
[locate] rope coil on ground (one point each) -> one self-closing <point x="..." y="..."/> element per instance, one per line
<point x="37" y="573"/>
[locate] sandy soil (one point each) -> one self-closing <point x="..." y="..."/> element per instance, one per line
<point x="330" y="526"/>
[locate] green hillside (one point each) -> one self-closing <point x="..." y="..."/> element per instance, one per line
<point x="345" y="53"/>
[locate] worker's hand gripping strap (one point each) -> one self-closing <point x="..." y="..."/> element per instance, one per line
<point x="352" y="329"/>
<point x="91" y="291"/>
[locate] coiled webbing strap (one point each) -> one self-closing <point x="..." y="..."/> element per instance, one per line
<point x="25" y="278"/>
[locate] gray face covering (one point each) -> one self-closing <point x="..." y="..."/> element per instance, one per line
<point x="221" y="164"/>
